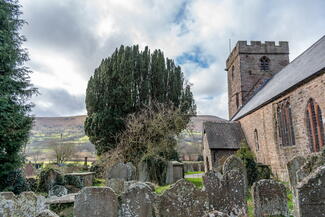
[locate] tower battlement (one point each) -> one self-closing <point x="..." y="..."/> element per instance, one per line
<point x="257" y="47"/>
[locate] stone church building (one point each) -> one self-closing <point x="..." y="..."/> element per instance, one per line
<point x="280" y="105"/>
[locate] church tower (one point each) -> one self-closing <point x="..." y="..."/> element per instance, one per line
<point x="250" y="66"/>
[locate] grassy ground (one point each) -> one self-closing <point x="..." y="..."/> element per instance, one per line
<point x="196" y="172"/>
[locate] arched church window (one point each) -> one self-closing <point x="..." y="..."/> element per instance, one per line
<point x="264" y="63"/>
<point x="257" y="145"/>
<point x="286" y="136"/>
<point x="315" y="128"/>
<point x="237" y="100"/>
<point x="232" y="72"/>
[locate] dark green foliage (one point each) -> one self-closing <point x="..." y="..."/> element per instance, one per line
<point x="15" y="91"/>
<point x="255" y="171"/>
<point x="263" y="172"/>
<point x="157" y="168"/>
<point x="248" y="158"/>
<point x="125" y="83"/>
<point x="73" y="180"/>
<point x="15" y="182"/>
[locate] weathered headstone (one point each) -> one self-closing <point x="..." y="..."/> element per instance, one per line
<point x="226" y="193"/>
<point x="311" y="194"/>
<point x="143" y="172"/>
<point x="182" y="200"/>
<point x="47" y="213"/>
<point x="235" y="163"/>
<point x="175" y="172"/>
<point x="117" y="185"/>
<point x="49" y="178"/>
<point x="123" y="171"/>
<point x="58" y="191"/>
<point x="270" y="198"/>
<point x="27" y="204"/>
<point x="96" y="202"/>
<point x="86" y="178"/>
<point x="293" y="166"/>
<point x="29" y="170"/>
<point x="138" y="200"/>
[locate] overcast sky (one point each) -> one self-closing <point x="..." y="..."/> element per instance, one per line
<point x="67" y="39"/>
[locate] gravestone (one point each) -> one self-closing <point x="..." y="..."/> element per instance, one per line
<point x="29" y="170"/>
<point x="270" y="198"/>
<point x="123" y="171"/>
<point x="49" y="178"/>
<point x="27" y="204"/>
<point x="235" y="163"/>
<point x="117" y="185"/>
<point x="175" y="172"/>
<point x="143" y="172"/>
<point x="58" y="191"/>
<point x="96" y="202"/>
<point x="182" y="200"/>
<point x="226" y="193"/>
<point x="293" y="166"/>
<point x="311" y="194"/>
<point x="138" y="200"/>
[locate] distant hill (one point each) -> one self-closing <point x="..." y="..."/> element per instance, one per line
<point x="47" y="130"/>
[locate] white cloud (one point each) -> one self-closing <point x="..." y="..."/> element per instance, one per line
<point x="68" y="39"/>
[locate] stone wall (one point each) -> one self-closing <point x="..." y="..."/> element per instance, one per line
<point x="263" y="120"/>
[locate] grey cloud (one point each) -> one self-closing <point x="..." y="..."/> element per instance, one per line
<point x="61" y="103"/>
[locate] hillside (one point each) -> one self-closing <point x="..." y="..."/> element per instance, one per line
<point x="48" y="130"/>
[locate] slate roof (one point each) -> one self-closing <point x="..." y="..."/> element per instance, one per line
<point x="223" y="135"/>
<point x="303" y="67"/>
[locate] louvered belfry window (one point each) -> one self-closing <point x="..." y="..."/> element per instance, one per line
<point x="286" y="136"/>
<point x="264" y="63"/>
<point x="315" y="128"/>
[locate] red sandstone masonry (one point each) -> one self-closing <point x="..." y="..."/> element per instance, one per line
<point x="263" y="120"/>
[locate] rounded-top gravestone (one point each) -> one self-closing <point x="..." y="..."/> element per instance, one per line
<point x="122" y="171"/>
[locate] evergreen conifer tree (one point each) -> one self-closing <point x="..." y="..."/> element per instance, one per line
<point x="126" y="82"/>
<point x="15" y="91"/>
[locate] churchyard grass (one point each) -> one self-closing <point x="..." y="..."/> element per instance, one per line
<point x="193" y="172"/>
<point x="162" y="189"/>
<point x="198" y="182"/>
<point x="99" y="182"/>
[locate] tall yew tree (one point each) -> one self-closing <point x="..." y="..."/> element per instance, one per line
<point x="15" y="90"/>
<point x="126" y="82"/>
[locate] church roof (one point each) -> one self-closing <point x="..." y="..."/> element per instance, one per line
<point x="223" y="135"/>
<point x="309" y="63"/>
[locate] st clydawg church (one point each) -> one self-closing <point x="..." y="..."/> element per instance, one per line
<point x="278" y="107"/>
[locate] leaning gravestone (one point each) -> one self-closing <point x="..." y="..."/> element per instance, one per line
<point x="293" y="166"/>
<point x="235" y="163"/>
<point x="311" y="194"/>
<point x="226" y="193"/>
<point x="58" y="191"/>
<point x="270" y="198"/>
<point x="138" y="200"/>
<point x="182" y="200"/>
<point x="123" y="171"/>
<point x="96" y="202"/>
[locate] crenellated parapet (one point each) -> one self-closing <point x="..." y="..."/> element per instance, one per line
<point x="257" y="47"/>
